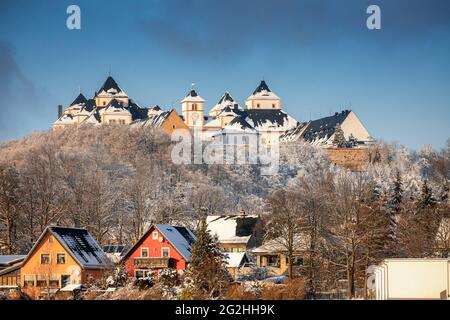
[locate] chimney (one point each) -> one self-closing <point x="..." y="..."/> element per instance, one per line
<point x="60" y="110"/>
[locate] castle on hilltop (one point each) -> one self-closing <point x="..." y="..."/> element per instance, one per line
<point x="262" y="116"/>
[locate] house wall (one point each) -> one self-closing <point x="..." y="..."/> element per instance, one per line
<point x="352" y="125"/>
<point x="191" y="116"/>
<point x="413" y="279"/>
<point x="107" y="117"/>
<point x="71" y="268"/>
<point x="173" y="122"/>
<point x="230" y="246"/>
<point x="263" y="103"/>
<point x="11" y="278"/>
<point x="103" y="101"/>
<point x="34" y="267"/>
<point x="155" y="251"/>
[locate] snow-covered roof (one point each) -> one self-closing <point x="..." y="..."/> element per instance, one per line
<point x="80" y="245"/>
<point x="226" y="101"/>
<point x="263" y="92"/>
<point x="116" y="106"/>
<point x="234" y="259"/>
<point x="295" y="133"/>
<point x="238" y="126"/>
<point x="80" y="99"/>
<point x="192" y="96"/>
<point x="321" y="130"/>
<point x="232" y="228"/>
<point x="270" y="120"/>
<point x="8" y="260"/>
<point x="71" y="287"/>
<point x="180" y="237"/>
<point x="279" y="245"/>
<point x="111" y="88"/>
<point x="94" y="117"/>
<point x="65" y="119"/>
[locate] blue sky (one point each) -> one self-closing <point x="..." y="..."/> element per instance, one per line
<point x="318" y="56"/>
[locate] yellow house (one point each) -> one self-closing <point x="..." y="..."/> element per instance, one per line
<point x="62" y="259"/>
<point x="272" y="255"/>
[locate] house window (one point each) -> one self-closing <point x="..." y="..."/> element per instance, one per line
<point x="50" y="239"/>
<point x="45" y="258"/>
<point x="53" y="281"/>
<point x="144" y="252"/>
<point x="165" y="252"/>
<point x="273" y="261"/>
<point x="141" y="273"/>
<point x="41" y="281"/>
<point x="28" y="280"/>
<point x="61" y="258"/>
<point x="65" y="280"/>
<point x="155" y="235"/>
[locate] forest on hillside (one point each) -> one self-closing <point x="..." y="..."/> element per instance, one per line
<point x="115" y="181"/>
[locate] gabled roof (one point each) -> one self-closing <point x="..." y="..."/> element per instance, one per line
<point x="235" y="259"/>
<point x="263" y="92"/>
<point x="65" y="119"/>
<point x="110" y="86"/>
<point x="270" y="119"/>
<point x="295" y="133"/>
<point x="8" y="260"/>
<point x="80" y="99"/>
<point x="232" y="228"/>
<point x="79" y="244"/>
<point x="226" y="101"/>
<point x="324" y="128"/>
<point x="192" y="96"/>
<point x="262" y="87"/>
<point x="238" y="125"/>
<point x="181" y="238"/>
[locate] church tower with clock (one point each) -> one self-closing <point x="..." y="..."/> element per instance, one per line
<point x="192" y="107"/>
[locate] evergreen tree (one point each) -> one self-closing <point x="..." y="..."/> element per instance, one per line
<point x="426" y="198"/>
<point x="397" y="195"/>
<point x="339" y="138"/>
<point x="206" y="273"/>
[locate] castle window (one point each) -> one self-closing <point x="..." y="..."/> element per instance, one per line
<point x="194" y="106"/>
<point x="122" y="121"/>
<point x="257" y="105"/>
<point x="273" y="105"/>
<point x="104" y="102"/>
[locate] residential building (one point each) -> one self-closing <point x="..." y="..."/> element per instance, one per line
<point x="162" y="246"/>
<point x="423" y="279"/>
<point x="10" y="271"/>
<point x="62" y="258"/>
<point x="273" y="257"/>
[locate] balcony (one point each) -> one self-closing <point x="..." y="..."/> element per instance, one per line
<point x="151" y="263"/>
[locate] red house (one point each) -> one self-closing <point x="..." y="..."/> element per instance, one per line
<point x="162" y="246"/>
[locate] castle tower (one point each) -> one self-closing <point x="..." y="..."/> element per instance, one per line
<point x="192" y="107"/>
<point x="263" y="98"/>
<point x="110" y="90"/>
